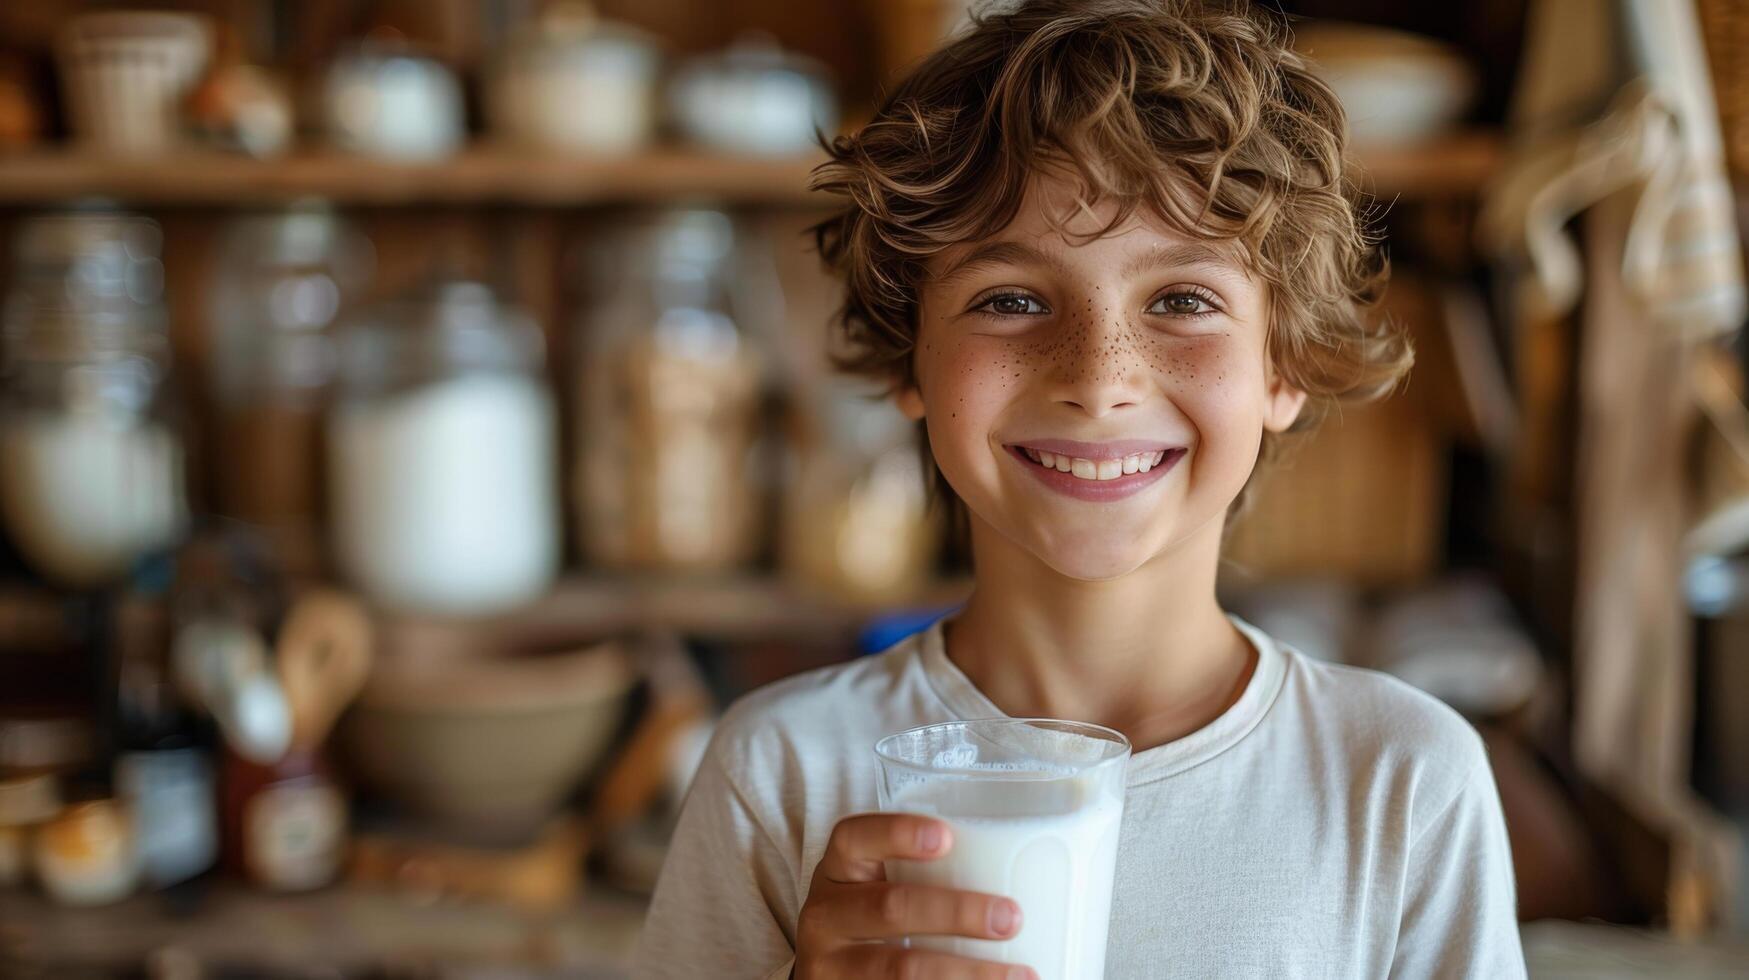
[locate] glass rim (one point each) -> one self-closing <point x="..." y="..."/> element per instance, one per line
<point x="1084" y="728"/>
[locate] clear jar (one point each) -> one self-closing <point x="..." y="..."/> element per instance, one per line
<point x="668" y="391"/>
<point x="443" y="454"/>
<point x="280" y="283"/>
<point x="857" y="518"/>
<point x="91" y="464"/>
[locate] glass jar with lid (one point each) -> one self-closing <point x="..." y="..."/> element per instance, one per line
<point x="281" y="281"/>
<point x="91" y="462"/>
<point x="443" y="453"/>
<point x="668" y="390"/>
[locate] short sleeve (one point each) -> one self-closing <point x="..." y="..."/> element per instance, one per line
<point x="1460" y="910"/>
<point x="725" y="891"/>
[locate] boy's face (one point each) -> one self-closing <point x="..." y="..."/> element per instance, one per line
<point x="1108" y="354"/>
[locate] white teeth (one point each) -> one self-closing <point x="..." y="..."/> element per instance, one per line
<point x="1095" y="469"/>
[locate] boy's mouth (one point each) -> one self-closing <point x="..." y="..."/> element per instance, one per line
<point x="1097" y="471"/>
<point x="1096" y="462"/>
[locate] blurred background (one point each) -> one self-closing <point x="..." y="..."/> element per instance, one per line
<point x="415" y="426"/>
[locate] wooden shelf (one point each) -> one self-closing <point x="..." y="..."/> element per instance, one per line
<point x="740" y="607"/>
<point x="340" y="931"/>
<point x="482" y="175"/>
<point x="1456" y="165"/>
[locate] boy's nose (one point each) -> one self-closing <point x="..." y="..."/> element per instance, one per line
<point x="1099" y="369"/>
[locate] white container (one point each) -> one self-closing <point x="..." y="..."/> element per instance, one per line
<point x="1036" y="808"/>
<point x="754" y="99"/>
<point x="443" y="457"/>
<point x="126" y="74"/>
<point x="571" y="84"/>
<point x="392" y="103"/>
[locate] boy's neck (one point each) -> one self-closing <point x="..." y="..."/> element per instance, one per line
<point x="1150" y="654"/>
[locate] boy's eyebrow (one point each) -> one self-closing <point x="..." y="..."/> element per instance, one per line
<point x="1182" y="254"/>
<point x="1000" y="253"/>
<point x="1019" y="253"/>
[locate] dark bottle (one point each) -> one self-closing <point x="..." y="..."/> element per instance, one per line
<point x="164" y="773"/>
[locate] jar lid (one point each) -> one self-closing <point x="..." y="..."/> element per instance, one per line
<point x="662" y="242"/>
<point x="445" y="325"/>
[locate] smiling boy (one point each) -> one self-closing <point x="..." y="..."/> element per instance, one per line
<point x="1107" y="253"/>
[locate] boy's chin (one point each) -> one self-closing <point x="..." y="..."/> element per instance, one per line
<point x="1097" y="564"/>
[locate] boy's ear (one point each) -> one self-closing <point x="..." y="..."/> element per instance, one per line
<point x="1282" y="405"/>
<point x="910" y="401"/>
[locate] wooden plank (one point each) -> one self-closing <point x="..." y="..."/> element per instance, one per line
<point x="480" y="175"/>
<point x="1458" y="165"/>
<point x="747" y="606"/>
<point x="1454" y="166"/>
<point x="336" y="931"/>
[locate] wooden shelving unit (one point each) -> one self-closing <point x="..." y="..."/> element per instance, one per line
<point x="1454" y="165"/>
<point x="737" y="607"/>
<point x="483" y="175"/>
<point x="1457" y="165"/>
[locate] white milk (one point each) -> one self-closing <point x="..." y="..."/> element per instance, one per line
<point x="1049" y="843"/>
<point x="84" y="497"/>
<point x="445" y="497"/>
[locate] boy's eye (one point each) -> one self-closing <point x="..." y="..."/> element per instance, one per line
<point x="1183" y="303"/>
<point x="1011" y="304"/>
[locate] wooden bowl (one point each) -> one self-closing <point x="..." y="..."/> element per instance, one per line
<point x="484" y="730"/>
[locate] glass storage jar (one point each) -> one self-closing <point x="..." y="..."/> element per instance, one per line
<point x="280" y="284"/>
<point x="91" y="461"/>
<point x="443" y="454"/>
<point x="669" y="396"/>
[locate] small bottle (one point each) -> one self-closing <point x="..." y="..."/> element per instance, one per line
<point x="164" y="772"/>
<point x="284" y="825"/>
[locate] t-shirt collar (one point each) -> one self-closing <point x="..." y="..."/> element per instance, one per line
<point x="965" y="701"/>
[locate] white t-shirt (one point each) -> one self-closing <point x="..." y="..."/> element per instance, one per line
<point x="1334" y="822"/>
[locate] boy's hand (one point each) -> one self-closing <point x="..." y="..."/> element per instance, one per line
<point x="851" y="907"/>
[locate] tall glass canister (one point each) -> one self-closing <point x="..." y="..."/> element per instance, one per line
<point x="281" y="282"/>
<point x="91" y="460"/>
<point x="443" y="454"/>
<point x="668" y="391"/>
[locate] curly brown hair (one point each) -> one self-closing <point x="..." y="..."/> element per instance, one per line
<point x="1199" y="111"/>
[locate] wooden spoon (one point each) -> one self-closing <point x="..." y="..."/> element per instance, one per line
<point x="324" y="655"/>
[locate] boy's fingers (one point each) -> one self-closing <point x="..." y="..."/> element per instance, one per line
<point x="883" y="910"/>
<point x="860" y="843"/>
<point x="882" y="960"/>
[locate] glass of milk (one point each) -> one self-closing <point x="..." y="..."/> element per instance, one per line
<point x="1035" y="806"/>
